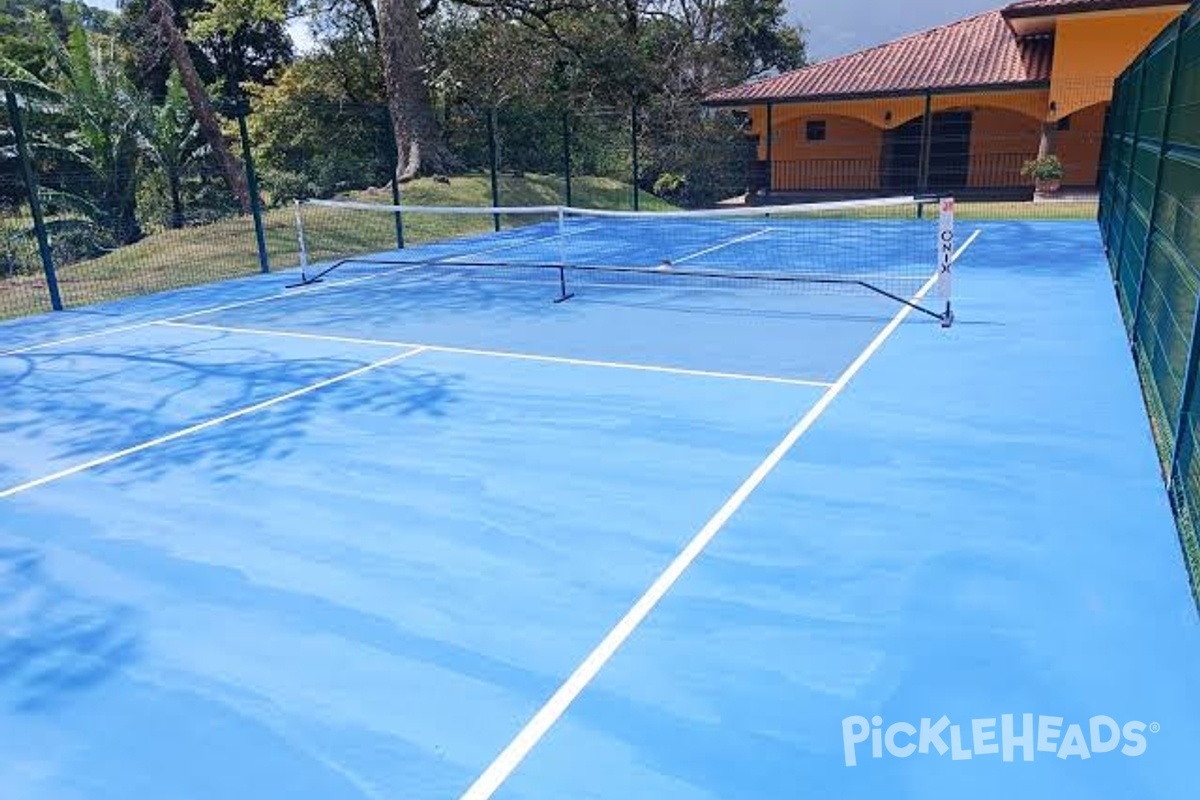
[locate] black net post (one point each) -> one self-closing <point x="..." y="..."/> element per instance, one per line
<point x="260" y="237"/>
<point x="566" y="154"/>
<point x="493" y="164"/>
<point x="35" y="205"/>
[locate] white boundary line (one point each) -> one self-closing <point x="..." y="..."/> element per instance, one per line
<point x="515" y="752"/>
<point x="970" y="241"/>
<point x="723" y="245"/>
<point x="509" y="354"/>
<point x="211" y="423"/>
<point x="509" y="246"/>
<point x="210" y="310"/>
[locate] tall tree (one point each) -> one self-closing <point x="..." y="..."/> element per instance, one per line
<point x="419" y="146"/>
<point x="162" y="16"/>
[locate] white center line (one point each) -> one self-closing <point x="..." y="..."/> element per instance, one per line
<point x="515" y="752"/>
<point x="714" y="248"/>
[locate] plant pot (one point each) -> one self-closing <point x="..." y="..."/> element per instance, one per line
<point x="1047" y="185"/>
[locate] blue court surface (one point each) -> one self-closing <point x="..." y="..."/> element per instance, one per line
<point x="424" y="534"/>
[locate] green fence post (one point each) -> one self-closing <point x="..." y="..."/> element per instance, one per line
<point x="566" y="146"/>
<point x="926" y="145"/>
<point x="1163" y="146"/>
<point x="494" y="164"/>
<point x="633" y="135"/>
<point x="1135" y="302"/>
<point x="770" y="148"/>
<point x="35" y="205"/>
<point x="260" y="237"/>
<point x="391" y="145"/>
<point x="1190" y="372"/>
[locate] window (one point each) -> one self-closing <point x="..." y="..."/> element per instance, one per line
<point x="1064" y="124"/>
<point x="814" y="131"/>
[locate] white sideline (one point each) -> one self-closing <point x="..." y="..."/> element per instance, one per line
<point x="516" y="356"/>
<point x="209" y="310"/>
<point x="515" y="752"/>
<point x="211" y="423"/>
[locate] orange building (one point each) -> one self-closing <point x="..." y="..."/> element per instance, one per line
<point x="960" y="107"/>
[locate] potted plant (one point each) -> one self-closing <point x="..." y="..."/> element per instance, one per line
<point x="1047" y="173"/>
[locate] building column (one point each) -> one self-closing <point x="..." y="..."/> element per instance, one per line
<point x="1046" y="144"/>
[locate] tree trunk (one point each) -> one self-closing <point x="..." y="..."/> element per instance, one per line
<point x="419" y="147"/>
<point x="163" y="16"/>
<point x="176" y="201"/>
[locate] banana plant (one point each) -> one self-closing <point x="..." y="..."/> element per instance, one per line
<point x="88" y="153"/>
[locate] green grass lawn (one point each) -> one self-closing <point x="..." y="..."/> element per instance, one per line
<point x="1064" y="210"/>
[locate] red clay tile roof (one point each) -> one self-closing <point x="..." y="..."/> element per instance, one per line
<point x="1041" y="8"/>
<point x="975" y="52"/>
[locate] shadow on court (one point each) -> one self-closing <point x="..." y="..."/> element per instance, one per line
<point x="55" y="642"/>
<point x="87" y="403"/>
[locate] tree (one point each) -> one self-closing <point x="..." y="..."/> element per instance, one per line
<point x="162" y="16"/>
<point x="172" y="140"/>
<point x="95" y="136"/>
<point x="419" y="146"/>
<point x="333" y="96"/>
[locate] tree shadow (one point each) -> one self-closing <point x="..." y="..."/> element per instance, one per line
<point x="120" y="398"/>
<point x="55" y="642"/>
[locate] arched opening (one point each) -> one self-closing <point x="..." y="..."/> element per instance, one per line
<point x="1077" y="141"/>
<point x="1002" y="140"/>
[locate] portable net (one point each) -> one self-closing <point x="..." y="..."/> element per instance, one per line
<point x="889" y="247"/>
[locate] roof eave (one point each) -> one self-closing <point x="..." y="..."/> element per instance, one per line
<point x="1019" y="12"/>
<point x="877" y="95"/>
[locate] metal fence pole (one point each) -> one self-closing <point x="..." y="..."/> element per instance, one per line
<point x="494" y="165"/>
<point x="926" y="145"/>
<point x="391" y="148"/>
<point x="1193" y="361"/>
<point x="770" y="148"/>
<point x="35" y="205"/>
<point x="1163" y="144"/>
<point x="1135" y="302"/>
<point x="633" y="135"/>
<point x="566" y="147"/>
<point x="264" y="263"/>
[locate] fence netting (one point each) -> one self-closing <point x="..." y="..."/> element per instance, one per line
<point x="162" y="213"/>
<point x="1148" y="217"/>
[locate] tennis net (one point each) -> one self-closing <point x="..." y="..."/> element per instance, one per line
<point x="889" y="247"/>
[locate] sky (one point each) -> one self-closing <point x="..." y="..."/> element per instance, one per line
<point x="836" y="27"/>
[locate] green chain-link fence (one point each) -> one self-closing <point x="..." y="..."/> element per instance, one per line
<point x="1148" y="216"/>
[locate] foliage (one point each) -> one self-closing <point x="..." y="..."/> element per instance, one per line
<point x="173" y="143"/>
<point x="232" y="42"/>
<point x="93" y="141"/>
<point x="1045" y="168"/>
<point x="330" y="97"/>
